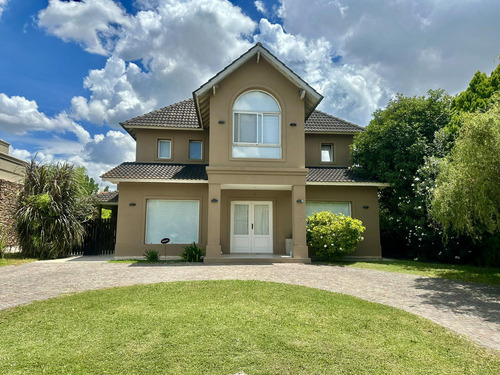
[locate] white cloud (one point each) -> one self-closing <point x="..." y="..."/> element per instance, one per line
<point x="3" y="5"/>
<point x="92" y="23"/>
<point x="179" y="46"/>
<point x="19" y="115"/>
<point x="261" y="7"/>
<point x="413" y="45"/>
<point x="51" y="142"/>
<point x="350" y="91"/>
<point x="20" y="154"/>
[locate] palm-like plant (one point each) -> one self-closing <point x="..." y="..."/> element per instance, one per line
<point x="51" y="209"/>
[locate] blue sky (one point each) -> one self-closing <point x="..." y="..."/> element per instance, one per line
<point x="70" y="71"/>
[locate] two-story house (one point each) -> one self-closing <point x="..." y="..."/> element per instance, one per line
<point x="237" y="169"/>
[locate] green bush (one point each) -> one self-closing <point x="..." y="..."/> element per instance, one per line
<point x="3" y="240"/>
<point x="193" y="253"/>
<point x="331" y="236"/>
<point x="151" y="255"/>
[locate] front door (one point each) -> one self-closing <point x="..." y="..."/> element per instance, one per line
<point x="251" y="227"/>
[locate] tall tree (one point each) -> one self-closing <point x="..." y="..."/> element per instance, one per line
<point x="467" y="193"/>
<point x="392" y="149"/>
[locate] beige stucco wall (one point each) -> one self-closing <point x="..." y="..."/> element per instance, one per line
<point x="11" y="169"/>
<point x="147" y="145"/>
<point x="359" y="197"/>
<point x="341" y="153"/>
<point x="257" y="76"/>
<point x="132" y="219"/>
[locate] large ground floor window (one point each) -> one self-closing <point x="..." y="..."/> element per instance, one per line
<point x="313" y="207"/>
<point x="178" y="220"/>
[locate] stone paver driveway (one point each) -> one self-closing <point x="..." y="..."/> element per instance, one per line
<point x="469" y="309"/>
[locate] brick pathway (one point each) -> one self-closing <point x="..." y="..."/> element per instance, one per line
<point x="469" y="309"/>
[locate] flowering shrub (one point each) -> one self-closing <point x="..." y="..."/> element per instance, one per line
<point x="331" y="236"/>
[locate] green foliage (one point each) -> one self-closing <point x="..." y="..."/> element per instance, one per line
<point x="331" y="236"/>
<point x="3" y="240"/>
<point x="393" y="149"/>
<point x="467" y="193"/>
<point x="151" y="256"/>
<point x="105" y="213"/>
<point x="89" y="186"/>
<point x="51" y="207"/>
<point x="193" y="253"/>
<point x="479" y="93"/>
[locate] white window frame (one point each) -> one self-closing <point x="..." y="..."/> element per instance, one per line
<point x="158" y="146"/>
<point x="332" y="156"/>
<point x="336" y="202"/>
<point x="258" y="114"/>
<point x="201" y="149"/>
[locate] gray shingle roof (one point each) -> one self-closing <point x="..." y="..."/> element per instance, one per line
<point x="178" y="115"/>
<point x="107" y="197"/>
<point x="197" y="172"/>
<point x="334" y="174"/>
<point x="157" y="171"/>
<point x="182" y="115"/>
<point x="321" y="122"/>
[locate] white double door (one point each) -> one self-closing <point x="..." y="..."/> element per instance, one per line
<point x="251" y="227"/>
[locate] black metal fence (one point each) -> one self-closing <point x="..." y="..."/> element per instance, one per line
<point x="100" y="238"/>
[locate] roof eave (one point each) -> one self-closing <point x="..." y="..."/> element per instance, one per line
<point x="115" y="180"/>
<point x="380" y="185"/>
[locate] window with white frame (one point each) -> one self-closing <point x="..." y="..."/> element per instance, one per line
<point x="178" y="220"/>
<point x="195" y="150"/>
<point x="256" y="126"/>
<point x="164" y="149"/>
<point x="313" y="207"/>
<point x="327" y="153"/>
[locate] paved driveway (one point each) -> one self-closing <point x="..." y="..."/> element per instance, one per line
<point x="469" y="309"/>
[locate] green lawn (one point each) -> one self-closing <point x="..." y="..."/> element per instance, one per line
<point x="222" y="327"/>
<point x="472" y="274"/>
<point x="14" y="260"/>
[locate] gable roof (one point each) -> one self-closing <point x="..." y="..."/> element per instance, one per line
<point x="201" y="95"/>
<point x="182" y="115"/>
<point x="321" y="122"/>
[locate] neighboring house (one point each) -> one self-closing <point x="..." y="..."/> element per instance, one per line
<point x="11" y="176"/>
<point x="238" y="168"/>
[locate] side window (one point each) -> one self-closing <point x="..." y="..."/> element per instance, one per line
<point x="327" y="153"/>
<point x="195" y="150"/>
<point x="256" y="126"/>
<point x="164" y="149"/>
<point x="313" y="207"/>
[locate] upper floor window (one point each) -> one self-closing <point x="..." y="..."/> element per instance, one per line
<point x="256" y="126"/>
<point x="164" y="149"/>
<point x="195" y="150"/>
<point x="327" y="153"/>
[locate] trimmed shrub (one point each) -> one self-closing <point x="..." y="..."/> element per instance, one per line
<point x="193" y="253"/>
<point x="151" y="256"/>
<point x="331" y="236"/>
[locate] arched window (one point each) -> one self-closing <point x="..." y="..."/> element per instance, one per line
<point x="256" y="126"/>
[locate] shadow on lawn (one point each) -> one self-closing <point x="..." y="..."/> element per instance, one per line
<point x="480" y="300"/>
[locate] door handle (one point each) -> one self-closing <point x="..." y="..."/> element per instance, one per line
<point x="252" y="226"/>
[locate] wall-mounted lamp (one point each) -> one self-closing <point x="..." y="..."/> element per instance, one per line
<point x="214" y="200"/>
<point x="300" y="201"/>
<point x="222" y="122"/>
<point x="366" y="207"/>
<point x="293" y="124"/>
<point x="131" y="204"/>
